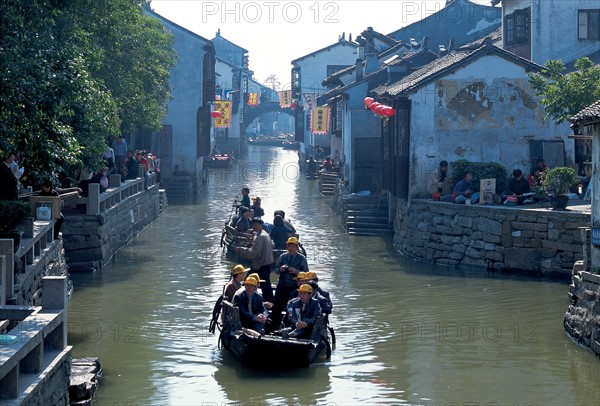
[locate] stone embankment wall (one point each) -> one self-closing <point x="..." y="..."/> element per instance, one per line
<point x="529" y="240"/>
<point x="90" y="241"/>
<point x="50" y="263"/>
<point x="582" y="320"/>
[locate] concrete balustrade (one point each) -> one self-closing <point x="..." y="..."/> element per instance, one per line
<point x="35" y="359"/>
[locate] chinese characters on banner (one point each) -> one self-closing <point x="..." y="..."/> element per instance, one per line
<point x="285" y="98"/>
<point x="252" y="99"/>
<point x="225" y="108"/>
<point x="319" y="120"/>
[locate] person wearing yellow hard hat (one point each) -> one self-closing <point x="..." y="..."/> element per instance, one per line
<point x="304" y="313"/>
<point x="261" y="254"/>
<point x="288" y="265"/>
<point x="238" y="272"/>
<point x="250" y="304"/>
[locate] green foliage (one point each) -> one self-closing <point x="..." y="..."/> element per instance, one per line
<point x="565" y="95"/>
<point x="12" y="214"/>
<point x="480" y="170"/>
<point x="73" y="74"/>
<point x="559" y="180"/>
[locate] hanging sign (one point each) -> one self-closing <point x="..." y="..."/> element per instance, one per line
<point x="319" y="120"/>
<point x="224" y="107"/>
<point x="285" y="98"/>
<point x="252" y="99"/>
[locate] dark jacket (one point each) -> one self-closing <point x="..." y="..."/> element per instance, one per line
<point x="9" y="189"/>
<point x="247" y="314"/>
<point x="297" y="261"/>
<point x="310" y="314"/>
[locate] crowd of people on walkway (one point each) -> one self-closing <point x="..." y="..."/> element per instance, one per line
<point x="519" y="189"/>
<point x="293" y="307"/>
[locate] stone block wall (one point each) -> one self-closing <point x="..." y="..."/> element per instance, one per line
<point x="582" y="320"/>
<point x="90" y="241"/>
<point x="529" y="240"/>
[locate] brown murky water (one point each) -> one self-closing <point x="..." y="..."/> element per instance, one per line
<point x="406" y="332"/>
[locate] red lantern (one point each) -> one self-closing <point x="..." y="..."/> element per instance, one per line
<point x="379" y="109"/>
<point x="388" y="111"/>
<point x="216" y="114"/>
<point x="374" y="105"/>
<point x="369" y="101"/>
<point x="293" y="106"/>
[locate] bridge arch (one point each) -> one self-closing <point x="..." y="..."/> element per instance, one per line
<point x="253" y="113"/>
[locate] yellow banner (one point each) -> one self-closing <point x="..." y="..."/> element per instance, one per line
<point x="319" y="120"/>
<point x="252" y="99"/>
<point x="285" y="98"/>
<point x="224" y="107"/>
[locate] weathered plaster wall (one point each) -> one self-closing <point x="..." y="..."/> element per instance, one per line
<point x="474" y="115"/>
<point x="491" y="237"/>
<point x="186" y="89"/>
<point x="554" y="25"/>
<point x="314" y="70"/>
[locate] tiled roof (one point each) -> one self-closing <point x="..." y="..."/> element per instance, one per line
<point x="588" y="115"/>
<point x="445" y="64"/>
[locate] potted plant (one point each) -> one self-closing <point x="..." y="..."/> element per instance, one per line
<point x="557" y="182"/>
<point x="12" y="215"/>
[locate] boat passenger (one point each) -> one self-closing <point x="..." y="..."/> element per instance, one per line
<point x="238" y="274"/>
<point x="261" y="254"/>
<point x="250" y="304"/>
<point x="304" y="314"/>
<point x="279" y="233"/>
<point x="258" y="211"/>
<point x="312" y="276"/>
<point x="326" y="306"/>
<point x="287" y="223"/>
<point x="289" y="264"/>
<point x="245" y="198"/>
<point x="243" y="225"/>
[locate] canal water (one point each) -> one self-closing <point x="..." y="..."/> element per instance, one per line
<point x="406" y="332"/>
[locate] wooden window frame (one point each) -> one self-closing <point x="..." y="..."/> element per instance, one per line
<point x="586" y="26"/>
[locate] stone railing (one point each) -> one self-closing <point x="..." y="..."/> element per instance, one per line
<point x="36" y="239"/>
<point x="97" y="202"/>
<point x="518" y="239"/>
<point x="34" y="356"/>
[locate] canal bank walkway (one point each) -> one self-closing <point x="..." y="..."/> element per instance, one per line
<point x="524" y="239"/>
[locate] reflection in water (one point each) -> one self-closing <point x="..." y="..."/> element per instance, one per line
<point x="406" y="331"/>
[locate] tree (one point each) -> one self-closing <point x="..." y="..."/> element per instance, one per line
<point x="565" y="95"/>
<point x="74" y="74"/>
<point x="273" y="81"/>
<point x="51" y="110"/>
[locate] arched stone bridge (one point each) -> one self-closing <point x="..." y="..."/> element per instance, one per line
<point x="253" y="113"/>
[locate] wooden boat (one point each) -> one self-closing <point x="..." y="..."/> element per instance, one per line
<point x="291" y="145"/>
<point x="219" y="161"/>
<point x="251" y="348"/>
<point x="267" y="141"/>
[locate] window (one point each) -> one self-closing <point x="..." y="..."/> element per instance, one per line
<point x="517" y="27"/>
<point x="588" y="24"/>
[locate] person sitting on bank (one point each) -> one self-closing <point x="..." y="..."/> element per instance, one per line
<point x="518" y="186"/>
<point x="303" y="314"/>
<point x="250" y="304"/>
<point x="238" y="273"/>
<point x="535" y="175"/>
<point x="464" y="190"/>
<point x="436" y="181"/>
<point x="327" y="165"/>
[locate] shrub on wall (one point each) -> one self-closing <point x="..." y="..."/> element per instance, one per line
<point x="480" y="170"/>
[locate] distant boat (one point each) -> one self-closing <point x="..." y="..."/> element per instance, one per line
<point x="267" y="141"/>
<point x="291" y="145"/>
